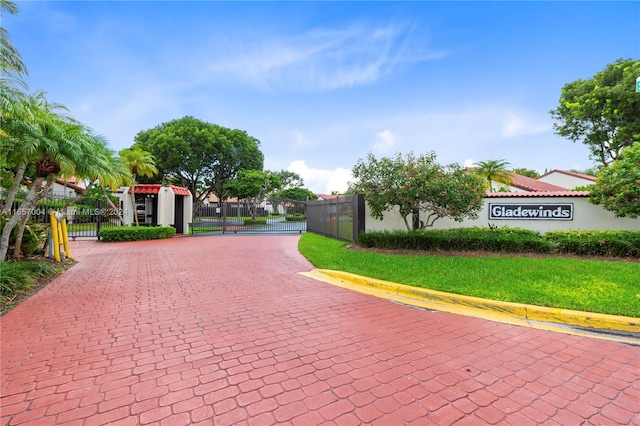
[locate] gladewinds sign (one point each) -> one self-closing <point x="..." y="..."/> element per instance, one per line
<point x="545" y="211"/>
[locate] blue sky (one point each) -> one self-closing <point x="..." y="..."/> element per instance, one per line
<point x="321" y="84"/>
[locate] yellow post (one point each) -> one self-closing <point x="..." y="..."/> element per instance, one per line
<point x="54" y="234"/>
<point x="65" y="238"/>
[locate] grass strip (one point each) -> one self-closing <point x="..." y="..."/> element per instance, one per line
<point x="602" y="286"/>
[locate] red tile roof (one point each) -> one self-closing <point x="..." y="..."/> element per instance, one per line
<point x="567" y="172"/>
<point x="562" y="193"/>
<point x="146" y="188"/>
<point x="529" y="184"/>
<point x="150" y="188"/>
<point x="179" y="190"/>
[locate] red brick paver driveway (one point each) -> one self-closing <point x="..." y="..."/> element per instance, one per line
<point x="221" y="330"/>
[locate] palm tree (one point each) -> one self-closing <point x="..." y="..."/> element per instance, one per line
<point x="139" y="162"/>
<point x="494" y="171"/>
<point x="52" y="143"/>
<point x="9" y="55"/>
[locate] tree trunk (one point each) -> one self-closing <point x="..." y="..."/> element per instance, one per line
<point x="133" y="198"/>
<point x="8" y="227"/>
<point x="11" y="195"/>
<point x="113" y="206"/>
<point x="17" y="249"/>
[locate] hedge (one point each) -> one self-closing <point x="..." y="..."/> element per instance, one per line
<point x="512" y="240"/>
<point x="136" y="233"/>
<point x="600" y="243"/>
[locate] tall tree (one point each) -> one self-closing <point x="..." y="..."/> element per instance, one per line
<point x="139" y="162"/>
<point x="602" y="112"/>
<point x="200" y="155"/>
<point x="494" y="171"/>
<point x="617" y="186"/>
<point x="418" y="184"/>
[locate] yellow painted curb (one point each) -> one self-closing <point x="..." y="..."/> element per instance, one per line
<point x="507" y="312"/>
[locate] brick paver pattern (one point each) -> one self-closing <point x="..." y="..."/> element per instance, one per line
<point x="222" y="330"/>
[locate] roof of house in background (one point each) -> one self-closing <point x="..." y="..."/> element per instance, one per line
<point x="534" y="185"/>
<point x="570" y="173"/>
<point x="327" y="196"/>
<point x="562" y="193"/>
<point x="213" y="198"/>
<point x="68" y="184"/>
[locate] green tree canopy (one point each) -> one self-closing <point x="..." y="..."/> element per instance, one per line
<point x="296" y="193"/>
<point x="603" y="112"/>
<point x="617" y="186"/>
<point x="253" y="186"/>
<point x="418" y="183"/>
<point x="200" y="155"/>
<point x="526" y="172"/>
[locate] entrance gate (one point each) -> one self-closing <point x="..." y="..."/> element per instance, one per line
<point x="84" y="219"/>
<point x="275" y="216"/>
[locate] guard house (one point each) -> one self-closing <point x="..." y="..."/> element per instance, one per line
<point x="158" y="205"/>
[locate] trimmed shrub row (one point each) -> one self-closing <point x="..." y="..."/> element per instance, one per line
<point x="511" y="240"/>
<point x="136" y="233"/>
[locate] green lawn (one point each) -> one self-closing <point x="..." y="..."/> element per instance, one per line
<point x="603" y="286"/>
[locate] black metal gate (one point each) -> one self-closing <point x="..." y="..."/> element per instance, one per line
<point x="84" y="219"/>
<point x="276" y="216"/>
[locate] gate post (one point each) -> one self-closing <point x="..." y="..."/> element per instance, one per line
<point x="99" y="219"/>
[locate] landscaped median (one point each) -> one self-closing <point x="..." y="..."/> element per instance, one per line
<point x="543" y="288"/>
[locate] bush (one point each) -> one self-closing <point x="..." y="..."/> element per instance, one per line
<point x="596" y="243"/>
<point x="256" y="221"/>
<point x="18" y="276"/>
<point x="32" y="239"/>
<point x="136" y="233"/>
<point x="513" y="240"/>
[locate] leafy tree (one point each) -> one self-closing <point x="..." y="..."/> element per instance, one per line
<point x="592" y="171"/>
<point x="297" y="193"/>
<point x="289" y="179"/>
<point x="9" y="56"/>
<point x="138" y="162"/>
<point x="418" y="184"/>
<point x="52" y="144"/>
<point x="526" y="172"/>
<point x="602" y="112"/>
<point x="617" y="186"/>
<point x="494" y="171"/>
<point x="253" y="185"/>
<point x="199" y="155"/>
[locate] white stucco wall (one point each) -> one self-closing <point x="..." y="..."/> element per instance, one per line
<point x="586" y="216"/>
<point x="564" y="180"/>
<point x="166" y="206"/>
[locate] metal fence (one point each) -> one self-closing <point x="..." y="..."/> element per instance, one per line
<point x="85" y="218"/>
<point x="341" y="217"/>
<point x="274" y="216"/>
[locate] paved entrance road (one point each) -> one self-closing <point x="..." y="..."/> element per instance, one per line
<point x="221" y="330"/>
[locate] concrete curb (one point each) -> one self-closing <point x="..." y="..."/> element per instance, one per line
<point x="610" y="327"/>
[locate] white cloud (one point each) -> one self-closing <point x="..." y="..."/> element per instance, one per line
<point x="517" y="125"/>
<point x="322" y="181"/>
<point x="386" y="141"/>
<point x="320" y="59"/>
<point x="469" y="162"/>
